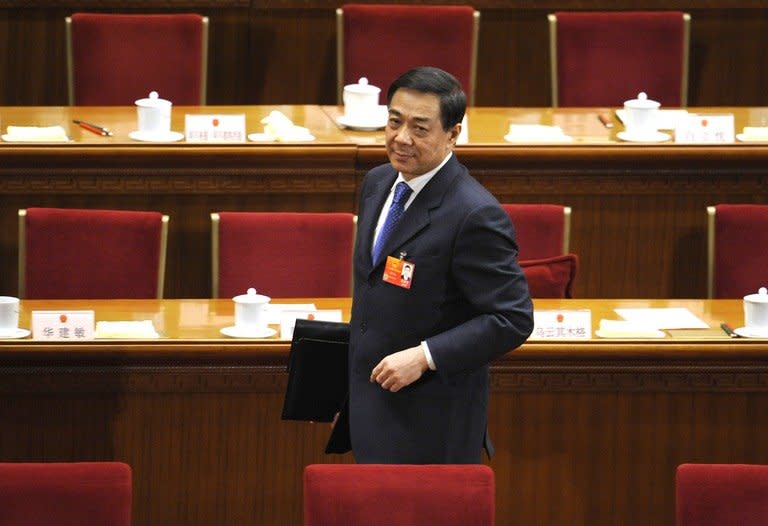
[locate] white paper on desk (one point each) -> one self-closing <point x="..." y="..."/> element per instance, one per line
<point x="663" y="318"/>
<point x="288" y="321"/>
<point x="275" y="311"/>
<point x="665" y="119"/>
<point x="126" y="329"/>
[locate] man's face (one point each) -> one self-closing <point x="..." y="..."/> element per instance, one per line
<point x="416" y="141"/>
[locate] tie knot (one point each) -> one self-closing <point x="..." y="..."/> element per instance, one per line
<point x="402" y="193"/>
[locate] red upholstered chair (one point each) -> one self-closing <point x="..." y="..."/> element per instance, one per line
<point x="542" y="230"/>
<point x="606" y="58"/>
<point x="65" y="494"/>
<point x="405" y="495"/>
<point x="737" y="258"/>
<point x="551" y="277"/>
<point x="115" y="59"/>
<point x="91" y="254"/>
<point x="721" y="495"/>
<point x="382" y="41"/>
<point x="282" y="254"/>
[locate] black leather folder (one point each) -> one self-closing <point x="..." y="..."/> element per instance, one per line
<point x="317" y="371"/>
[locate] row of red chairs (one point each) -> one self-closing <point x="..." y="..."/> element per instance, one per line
<point x="100" y="494"/>
<point x="462" y="495"/>
<point x="91" y="254"/>
<point x="596" y="58"/>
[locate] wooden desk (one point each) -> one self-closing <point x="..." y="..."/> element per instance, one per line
<point x="585" y="432"/>
<point x="638" y="223"/>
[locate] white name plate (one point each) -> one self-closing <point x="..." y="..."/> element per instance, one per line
<point x="562" y="325"/>
<point x="214" y="128"/>
<point x="76" y="325"/>
<point x="700" y="128"/>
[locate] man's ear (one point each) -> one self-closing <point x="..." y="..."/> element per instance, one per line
<point x="455" y="132"/>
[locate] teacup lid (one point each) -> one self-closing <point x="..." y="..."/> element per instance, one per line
<point x="641" y="102"/>
<point x="760" y="297"/>
<point x="153" y="100"/>
<point x="251" y="297"/>
<point x="362" y="86"/>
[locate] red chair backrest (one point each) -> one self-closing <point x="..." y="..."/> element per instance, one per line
<point x="551" y="277"/>
<point x="405" y="495"/>
<point x="65" y="494"/>
<point x="382" y="41"/>
<point x="539" y="229"/>
<point x="721" y="495"/>
<point x="606" y="58"/>
<point x="91" y="254"/>
<point x="119" y="58"/>
<point x="741" y="249"/>
<point x="286" y="254"/>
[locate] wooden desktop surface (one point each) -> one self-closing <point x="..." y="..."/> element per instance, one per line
<point x="639" y="210"/>
<point x="191" y="325"/>
<point x="487" y="125"/>
<point x="596" y="427"/>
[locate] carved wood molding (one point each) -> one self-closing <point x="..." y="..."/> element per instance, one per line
<point x="615" y="182"/>
<point x="691" y="377"/>
<point x="169" y="180"/>
<point x="330" y="4"/>
<point x="122" y="5"/>
<point x="141" y="379"/>
<point x="682" y="377"/>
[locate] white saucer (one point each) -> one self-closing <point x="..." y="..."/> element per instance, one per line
<point x="373" y="124"/>
<point x="15" y="333"/>
<point x="263" y="137"/>
<point x="746" y="138"/>
<point x="656" y="137"/>
<point x="171" y="136"/>
<point x="746" y="332"/>
<point x="236" y="332"/>
<point x="657" y="334"/>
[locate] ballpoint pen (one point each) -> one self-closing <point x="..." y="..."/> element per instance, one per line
<point x="605" y="119"/>
<point x="98" y="130"/>
<point x="727" y="329"/>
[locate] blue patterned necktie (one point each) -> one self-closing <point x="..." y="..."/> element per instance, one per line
<point x="402" y="193"/>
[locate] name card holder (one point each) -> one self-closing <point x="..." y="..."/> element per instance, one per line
<point x="562" y="325"/>
<point x="76" y="325"/>
<point x="214" y="128"/>
<point x="700" y="128"/>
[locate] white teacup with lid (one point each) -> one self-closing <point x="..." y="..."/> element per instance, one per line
<point x="154" y="115"/>
<point x="250" y="315"/>
<point x="756" y="313"/>
<point x="361" y="101"/>
<point x="9" y="315"/>
<point x="641" y="117"/>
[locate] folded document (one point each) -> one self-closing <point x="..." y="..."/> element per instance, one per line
<point x="35" y="134"/>
<point x="536" y="133"/>
<point x="626" y="329"/>
<point x="126" y="329"/>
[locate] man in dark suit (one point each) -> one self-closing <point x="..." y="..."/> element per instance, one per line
<point x="420" y="348"/>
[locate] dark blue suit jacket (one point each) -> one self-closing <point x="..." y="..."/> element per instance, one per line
<point x="468" y="299"/>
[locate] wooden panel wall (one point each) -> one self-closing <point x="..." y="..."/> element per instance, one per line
<point x="584" y="442"/>
<point x="283" y="51"/>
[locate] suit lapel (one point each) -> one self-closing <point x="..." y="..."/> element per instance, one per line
<point x="416" y="217"/>
<point x="371" y="208"/>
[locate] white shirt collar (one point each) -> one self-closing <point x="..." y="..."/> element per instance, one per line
<point x="420" y="181"/>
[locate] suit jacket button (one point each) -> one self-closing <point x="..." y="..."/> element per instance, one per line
<point x="363" y="327"/>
